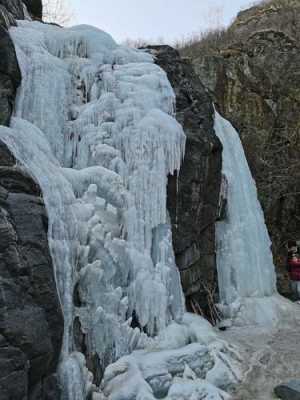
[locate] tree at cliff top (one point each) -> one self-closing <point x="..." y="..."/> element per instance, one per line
<point x="57" y="11"/>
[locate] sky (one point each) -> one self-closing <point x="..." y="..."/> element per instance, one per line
<point x="155" y="19"/>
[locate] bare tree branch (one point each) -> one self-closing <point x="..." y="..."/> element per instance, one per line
<point x="57" y="11"/>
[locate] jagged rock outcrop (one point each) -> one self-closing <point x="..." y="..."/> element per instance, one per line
<point x="253" y="75"/>
<point x="281" y="15"/>
<point x="193" y="197"/>
<point x="31" y="322"/>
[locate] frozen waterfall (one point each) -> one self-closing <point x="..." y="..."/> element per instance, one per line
<point x="246" y="274"/>
<point x="94" y="125"/>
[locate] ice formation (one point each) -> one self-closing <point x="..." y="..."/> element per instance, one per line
<point x="171" y="368"/>
<point x="107" y="115"/>
<point x="246" y="274"/>
<point x="94" y="125"/>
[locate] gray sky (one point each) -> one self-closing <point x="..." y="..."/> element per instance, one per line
<point x="152" y="19"/>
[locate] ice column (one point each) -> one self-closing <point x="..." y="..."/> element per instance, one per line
<point x="244" y="257"/>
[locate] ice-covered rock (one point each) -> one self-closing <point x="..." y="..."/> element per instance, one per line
<point x="195" y="390"/>
<point x="175" y="364"/>
<point x="167" y="374"/>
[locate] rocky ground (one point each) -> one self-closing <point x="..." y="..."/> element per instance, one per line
<point x="272" y="357"/>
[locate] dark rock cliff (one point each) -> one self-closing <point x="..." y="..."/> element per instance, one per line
<point x="193" y="198"/>
<point x="13" y="7"/>
<point x="253" y="74"/>
<point x="31" y="322"/>
<point x="10" y="75"/>
<point x="35" y="8"/>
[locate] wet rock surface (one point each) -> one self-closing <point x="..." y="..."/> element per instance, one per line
<point x="193" y="196"/>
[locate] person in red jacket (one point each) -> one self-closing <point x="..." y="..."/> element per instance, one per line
<point x="293" y="263"/>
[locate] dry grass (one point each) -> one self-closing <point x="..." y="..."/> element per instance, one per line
<point x="207" y="42"/>
<point x="215" y="40"/>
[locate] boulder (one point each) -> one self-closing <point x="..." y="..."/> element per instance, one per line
<point x="289" y="390"/>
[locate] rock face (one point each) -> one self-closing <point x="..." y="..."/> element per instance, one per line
<point x="10" y="75"/>
<point x="14" y="7"/>
<point x="253" y="75"/>
<point x="193" y="196"/>
<point x="31" y="322"/>
<point x="35" y="8"/>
